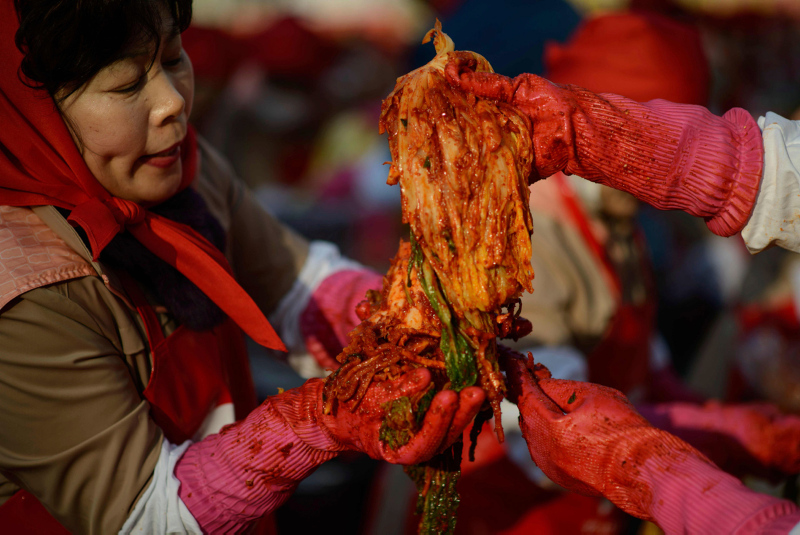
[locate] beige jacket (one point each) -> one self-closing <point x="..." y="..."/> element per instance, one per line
<point x="74" y="428"/>
<point x="572" y="303"/>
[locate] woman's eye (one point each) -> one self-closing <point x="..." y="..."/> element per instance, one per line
<point x="174" y="62"/>
<point x="130" y="88"/>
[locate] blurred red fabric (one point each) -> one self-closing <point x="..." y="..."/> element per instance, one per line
<point x="285" y="48"/>
<point x="639" y="55"/>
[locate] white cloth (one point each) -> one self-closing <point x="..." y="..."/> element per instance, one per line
<point x="160" y="510"/>
<point x="775" y="219"/>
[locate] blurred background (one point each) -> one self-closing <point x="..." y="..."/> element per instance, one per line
<point x="290" y="91"/>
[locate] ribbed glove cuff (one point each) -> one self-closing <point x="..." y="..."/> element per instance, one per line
<point x="672" y="156"/>
<point x="693" y="496"/>
<point x="250" y="468"/>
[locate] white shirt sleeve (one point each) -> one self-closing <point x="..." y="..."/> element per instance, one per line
<point x="775" y="219"/>
<point x="160" y="509"/>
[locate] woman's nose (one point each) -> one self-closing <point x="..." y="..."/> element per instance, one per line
<point x="170" y="103"/>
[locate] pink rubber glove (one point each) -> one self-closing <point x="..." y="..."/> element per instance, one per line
<point x="250" y="468"/>
<point x="331" y="313"/>
<point x="672" y="156"/>
<point x="753" y="438"/>
<point x="589" y="439"/>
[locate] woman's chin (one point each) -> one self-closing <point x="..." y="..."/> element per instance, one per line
<point x="157" y="189"/>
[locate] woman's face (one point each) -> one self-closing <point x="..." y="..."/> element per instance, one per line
<point x="130" y="118"/>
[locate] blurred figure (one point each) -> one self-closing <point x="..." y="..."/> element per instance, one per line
<point x="753" y="352"/>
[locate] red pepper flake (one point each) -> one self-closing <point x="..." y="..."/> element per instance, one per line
<point x="286" y="449"/>
<point x="249" y="482"/>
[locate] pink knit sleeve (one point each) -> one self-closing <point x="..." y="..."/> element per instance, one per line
<point x="693" y="496"/>
<point x="250" y="468"/>
<point x="331" y="313"/>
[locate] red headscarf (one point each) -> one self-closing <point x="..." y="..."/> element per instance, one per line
<point x="641" y="55"/>
<point x="40" y="165"/>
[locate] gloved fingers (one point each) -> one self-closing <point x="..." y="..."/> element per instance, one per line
<point x="568" y="395"/>
<point x="427" y="442"/>
<point x="522" y="386"/>
<point x="406" y="385"/>
<point x="460" y="73"/>
<point x="470" y="401"/>
<point x="571" y="395"/>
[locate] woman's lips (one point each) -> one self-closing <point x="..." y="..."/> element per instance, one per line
<point x="164" y="158"/>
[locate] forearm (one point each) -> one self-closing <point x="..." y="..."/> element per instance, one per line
<point x="721" y="449"/>
<point x="250" y="468"/>
<point x="694" y="496"/>
<point x="671" y="156"/>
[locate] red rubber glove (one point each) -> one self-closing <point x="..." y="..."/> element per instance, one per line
<point x="751" y="438"/>
<point x="672" y="156"/>
<point x="250" y="468"/>
<point x="589" y="439"/>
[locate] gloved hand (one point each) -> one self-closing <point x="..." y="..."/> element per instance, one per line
<point x="251" y="467"/>
<point x="589" y="439"/>
<point x="358" y="427"/>
<point x="747" y="438"/>
<point x="672" y="156"/>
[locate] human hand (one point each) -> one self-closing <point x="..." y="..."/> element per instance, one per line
<point x="330" y="314"/>
<point x="358" y="425"/>
<point x="589" y="438"/>
<point x="549" y="107"/>
<point x="671" y="156"/>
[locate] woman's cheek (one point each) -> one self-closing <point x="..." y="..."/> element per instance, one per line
<point x="116" y="130"/>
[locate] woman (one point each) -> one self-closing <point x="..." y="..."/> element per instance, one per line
<point x="130" y="261"/>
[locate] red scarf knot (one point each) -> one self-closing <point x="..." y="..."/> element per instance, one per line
<point x="126" y="212"/>
<point x="102" y="219"/>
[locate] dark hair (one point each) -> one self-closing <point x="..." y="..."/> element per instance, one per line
<point x="66" y="42"/>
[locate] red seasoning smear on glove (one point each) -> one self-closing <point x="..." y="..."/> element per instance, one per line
<point x="462" y="164"/>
